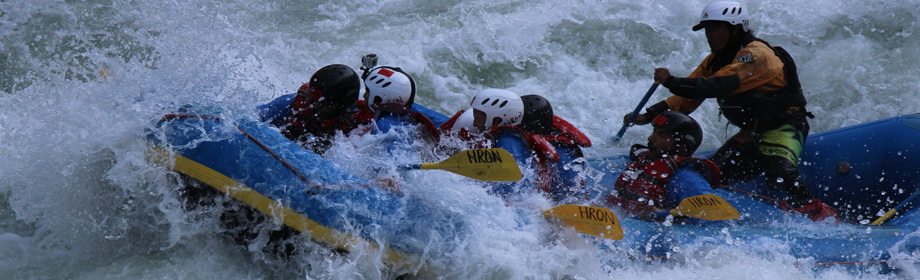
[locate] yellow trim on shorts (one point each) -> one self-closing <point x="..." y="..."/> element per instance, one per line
<point x="782" y="142"/>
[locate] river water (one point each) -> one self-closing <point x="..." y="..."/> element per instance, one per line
<point x="80" y="81"/>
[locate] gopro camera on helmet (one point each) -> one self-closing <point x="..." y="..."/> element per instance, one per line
<point x="369" y="61"/>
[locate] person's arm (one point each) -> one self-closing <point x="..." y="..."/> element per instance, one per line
<point x="448" y="125"/>
<point x="702" y="88"/>
<point x="754" y="66"/>
<point x="687" y="182"/>
<point x="570" y="132"/>
<point x="674" y="102"/>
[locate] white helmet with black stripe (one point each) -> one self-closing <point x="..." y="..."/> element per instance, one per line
<point x="386" y="84"/>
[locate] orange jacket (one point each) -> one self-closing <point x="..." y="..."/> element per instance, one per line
<point x="754" y="68"/>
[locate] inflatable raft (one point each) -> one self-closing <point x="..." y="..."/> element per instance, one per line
<point x="863" y="170"/>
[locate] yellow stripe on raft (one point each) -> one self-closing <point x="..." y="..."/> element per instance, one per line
<point x="268" y="206"/>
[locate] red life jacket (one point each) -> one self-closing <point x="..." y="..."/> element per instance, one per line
<point x="544" y="152"/>
<point x="568" y="134"/>
<point x="643" y="181"/>
<point x="428" y="125"/>
<point x="564" y="134"/>
<point x="544" y="146"/>
<point x="300" y="120"/>
<point x="541" y="145"/>
<point x="535" y="142"/>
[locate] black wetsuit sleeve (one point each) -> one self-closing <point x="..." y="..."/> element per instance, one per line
<point x="702" y="88"/>
<point x="653" y="111"/>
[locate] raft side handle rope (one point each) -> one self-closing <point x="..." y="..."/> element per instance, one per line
<point x="285" y="163"/>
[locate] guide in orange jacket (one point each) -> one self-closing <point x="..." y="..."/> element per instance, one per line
<point x="758" y="90"/>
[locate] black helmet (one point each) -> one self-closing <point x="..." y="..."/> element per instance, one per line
<point x="538" y="113"/>
<point x="336" y="83"/>
<point x="685" y="130"/>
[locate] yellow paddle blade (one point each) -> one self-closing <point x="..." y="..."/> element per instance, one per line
<point x="708" y="207"/>
<point x="482" y="164"/>
<point x="590" y="220"/>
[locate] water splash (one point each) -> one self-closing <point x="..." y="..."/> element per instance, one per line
<point x="81" y="201"/>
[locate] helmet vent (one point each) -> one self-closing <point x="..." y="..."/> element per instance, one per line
<point x="385" y="84"/>
<point x="495" y="102"/>
<point x="379" y="81"/>
<point x="733" y="11"/>
<point x="484" y="101"/>
<point x="372" y="78"/>
<point x="503" y="104"/>
<point x="724" y="11"/>
<point x="739" y="10"/>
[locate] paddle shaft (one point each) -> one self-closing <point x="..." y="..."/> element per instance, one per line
<point x="636" y="112"/>
<point x="884" y="218"/>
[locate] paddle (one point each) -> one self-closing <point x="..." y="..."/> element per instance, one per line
<point x="708" y="207"/>
<point x="590" y="220"/>
<point x="636" y="112"/>
<point x="482" y="164"/>
<point x="884" y="218"/>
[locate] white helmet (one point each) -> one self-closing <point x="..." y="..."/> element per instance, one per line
<point x="465" y="120"/>
<point x="727" y="11"/>
<point x="389" y="85"/>
<point x="501" y="104"/>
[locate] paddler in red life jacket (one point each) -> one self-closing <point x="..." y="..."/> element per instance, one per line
<point x="491" y="110"/>
<point x="758" y="90"/>
<point x="389" y="93"/>
<point x="491" y="122"/>
<point x="325" y="105"/>
<point x="557" y="144"/>
<point x="648" y="184"/>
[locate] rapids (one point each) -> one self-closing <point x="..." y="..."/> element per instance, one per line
<point x="81" y="81"/>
